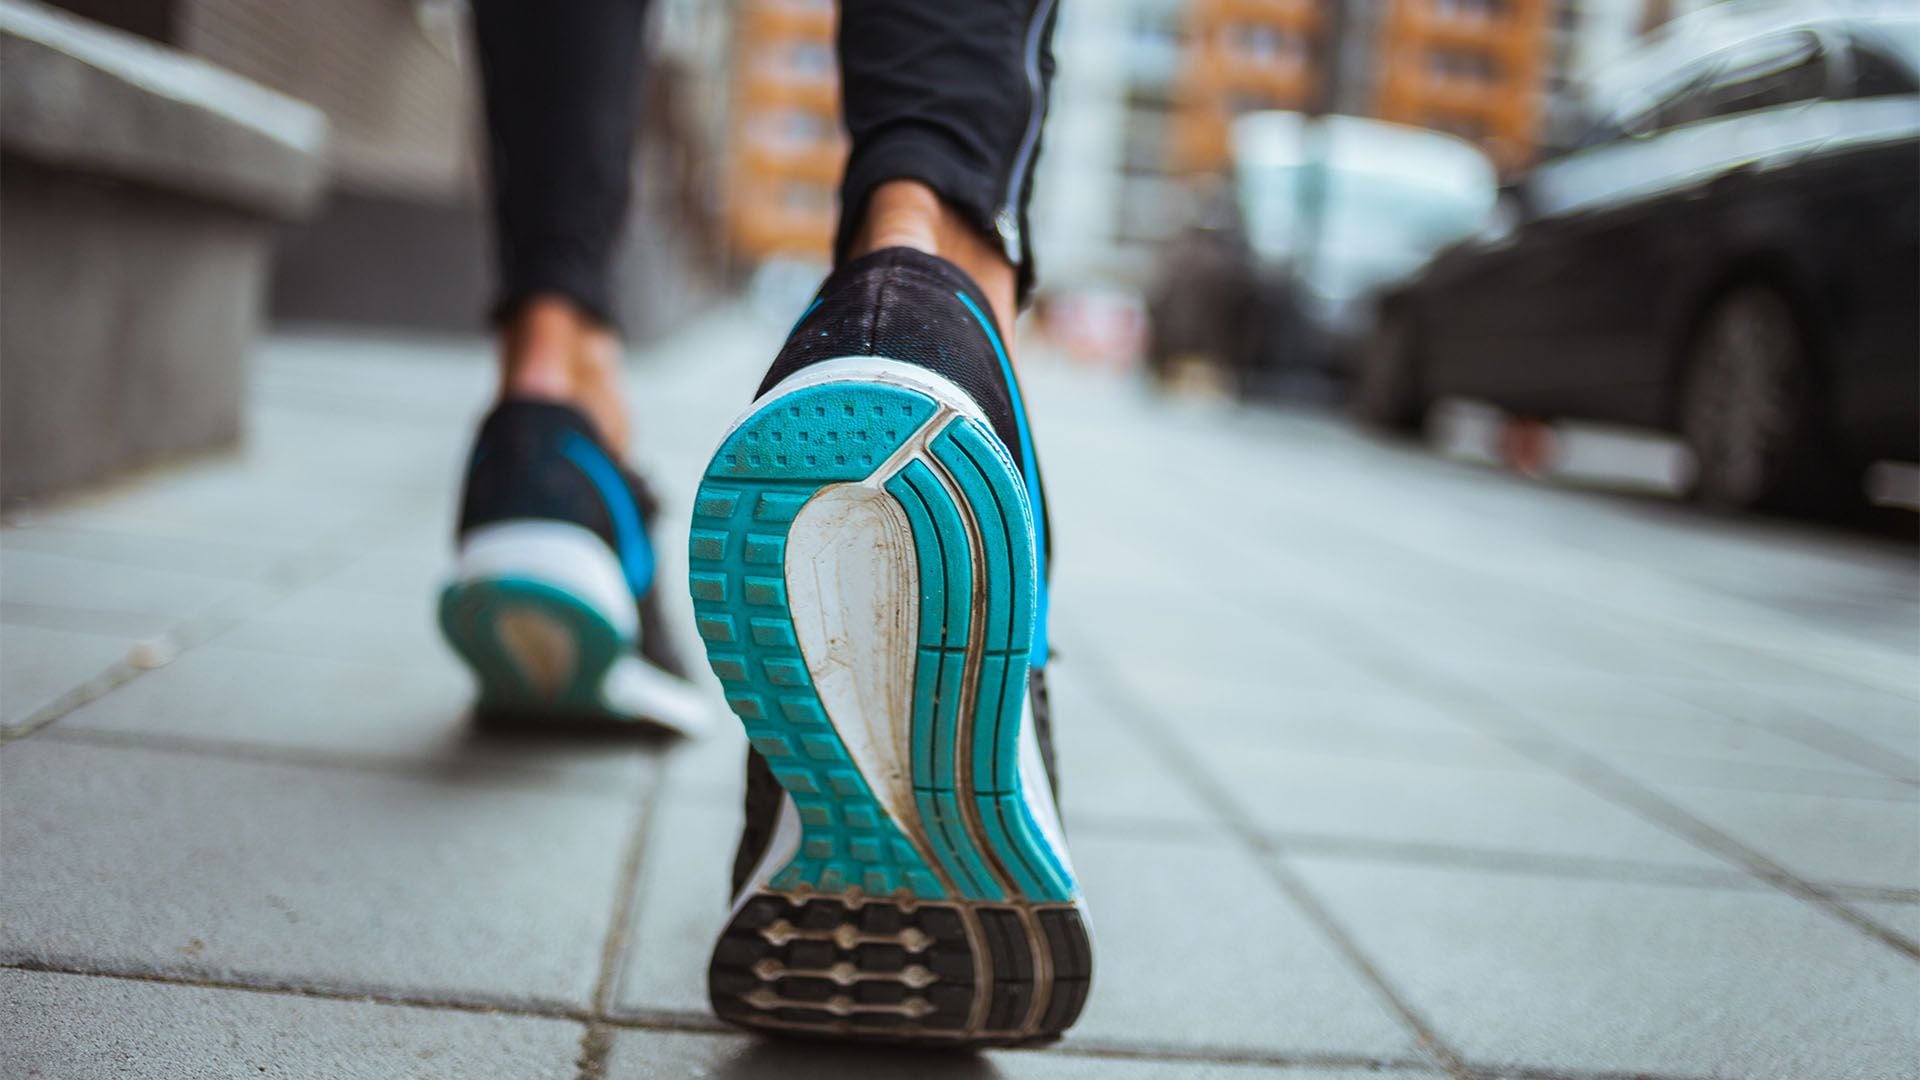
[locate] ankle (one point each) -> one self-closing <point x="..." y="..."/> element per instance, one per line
<point x="907" y="213"/>
<point x="552" y="351"/>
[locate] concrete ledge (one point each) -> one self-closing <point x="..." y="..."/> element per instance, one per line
<point x="140" y="189"/>
<point x="82" y="97"/>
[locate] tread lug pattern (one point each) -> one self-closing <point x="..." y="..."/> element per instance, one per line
<point x="977" y="941"/>
<point x="783" y="964"/>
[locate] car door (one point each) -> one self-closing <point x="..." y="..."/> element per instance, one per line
<point x="1732" y="198"/>
<point x="1535" y="304"/>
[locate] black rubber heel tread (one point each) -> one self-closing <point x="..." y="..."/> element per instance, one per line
<point x="886" y="971"/>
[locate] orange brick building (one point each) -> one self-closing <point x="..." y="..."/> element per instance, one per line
<point x="1476" y="68"/>
<point x="787" y="147"/>
<point x="1240" y="56"/>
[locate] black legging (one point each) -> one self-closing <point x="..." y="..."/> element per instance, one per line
<point x="948" y="92"/>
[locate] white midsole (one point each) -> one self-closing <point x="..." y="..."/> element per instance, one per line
<point x="569" y="557"/>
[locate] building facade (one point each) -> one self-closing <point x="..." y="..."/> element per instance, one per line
<point x="786" y="143"/>
<point x="1479" y="69"/>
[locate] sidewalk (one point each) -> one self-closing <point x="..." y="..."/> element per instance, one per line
<point x="1376" y="765"/>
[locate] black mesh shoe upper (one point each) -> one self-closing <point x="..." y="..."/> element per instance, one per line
<point x="904" y="305"/>
<point x="544" y="461"/>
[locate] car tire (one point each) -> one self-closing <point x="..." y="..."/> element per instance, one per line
<point x="1390" y="391"/>
<point x="1750" y="408"/>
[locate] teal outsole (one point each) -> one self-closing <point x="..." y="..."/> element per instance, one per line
<point x="470" y="614"/>
<point x="975" y="838"/>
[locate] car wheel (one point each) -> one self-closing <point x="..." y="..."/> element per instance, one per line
<point x="1748" y="409"/>
<point x="1390" y="392"/>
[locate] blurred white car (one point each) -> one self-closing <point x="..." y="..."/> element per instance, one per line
<point x="1391" y="196"/>
<point x="1274" y="278"/>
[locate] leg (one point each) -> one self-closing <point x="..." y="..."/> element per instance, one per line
<point x="945" y="102"/>
<point x="552" y="603"/>
<point x="559" y="81"/>
<point x="868" y="567"/>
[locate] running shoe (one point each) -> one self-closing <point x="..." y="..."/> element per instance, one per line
<point x="552" y="601"/>
<point x="868" y="569"/>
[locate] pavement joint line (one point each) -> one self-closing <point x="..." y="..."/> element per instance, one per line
<point x="1538" y="743"/>
<point x="1574" y="867"/>
<point x="596" y="1042"/>
<point x="1452" y="856"/>
<point x="1472" y="705"/>
<point x="1073" y="1046"/>
<point x="1528" y="1072"/>
<point x="505" y="772"/>
<point x="1752" y="777"/>
<point x="290" y="988"/>
<point x="1147" y="723"/>
<point x="666" y="1020"/>
<point x="1845" y="745"/>
<point x="283" y="579"/>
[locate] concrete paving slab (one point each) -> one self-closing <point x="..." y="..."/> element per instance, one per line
<point x="146" y="862"/>
<point x="112" y="598"/>
<point x="1841" y="840"/>
<point x="1847" y="781"/>
<point x="1106" y="773"/>
<point x="408" y="711"/>
<point x="38" y="665"/>
<point x="638" y="1054"/>
<point x="315" y="623"/>
<point x="1507" y="810"/>
<point x="217" y="690"/>
<point x="1685" y="731"/>
<point x="1902" y="918"/>
<point x="1269" y="982"/>
<point x="159" y="551"/>
<point x="1843" y="718"/>
<point x="171" y="1032"/>
<point x="680" y="906"/>
<point x="1520" y="970"/>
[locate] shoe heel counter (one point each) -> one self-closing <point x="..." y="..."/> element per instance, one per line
<point x="519" y="471"/>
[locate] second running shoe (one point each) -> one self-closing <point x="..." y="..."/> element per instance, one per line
<point x="553" y="602"/>
<point x="868" y="569"/>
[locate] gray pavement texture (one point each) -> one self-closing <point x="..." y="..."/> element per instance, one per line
<point x="1376" y="764"/>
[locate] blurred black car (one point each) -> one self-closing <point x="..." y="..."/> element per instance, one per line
<point x="1732" y="256"/>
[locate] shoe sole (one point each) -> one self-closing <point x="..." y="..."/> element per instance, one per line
<point x="543" y="621"/>
<point x="923" y="901"/>
<point x="533" y="646"/>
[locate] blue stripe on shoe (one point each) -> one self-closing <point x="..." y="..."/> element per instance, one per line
<point x="811" y="308"/>
<point x="630" y="533"/>
<point x="1031" y="473"/>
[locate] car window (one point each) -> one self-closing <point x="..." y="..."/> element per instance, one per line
<point x="1654" y="108"/>
<point x="1762" y="74"/>
<point x="1878" y="72"/>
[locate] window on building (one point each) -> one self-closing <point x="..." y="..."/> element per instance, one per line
<point x="1462" y="65"/>
<point x="812" y="59"/>
<point x="1258" y="43"/>
<point x="1471" y="128"/>
<point x="1470" y="9"/>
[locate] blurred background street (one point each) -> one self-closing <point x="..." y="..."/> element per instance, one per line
<point x="1481" y="442"/>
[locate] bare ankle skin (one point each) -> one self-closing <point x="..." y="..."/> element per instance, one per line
<point x="907" y="213"/>
<point x="552" y="351"/>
